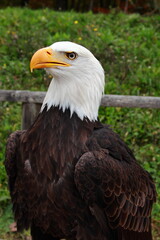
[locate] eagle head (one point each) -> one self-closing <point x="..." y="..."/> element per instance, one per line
<point x="78" y="78"/>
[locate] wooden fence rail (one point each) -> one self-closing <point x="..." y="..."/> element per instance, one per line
<point x="31" y="102"/>
<point x="107" y="100"/>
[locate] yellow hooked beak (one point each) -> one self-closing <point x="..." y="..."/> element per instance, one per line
<point x="46" y="58"/>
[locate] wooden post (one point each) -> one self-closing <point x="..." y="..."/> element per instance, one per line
<point x="29" y="113"/>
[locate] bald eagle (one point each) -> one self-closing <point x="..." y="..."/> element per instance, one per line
<point x="70" y="176"/>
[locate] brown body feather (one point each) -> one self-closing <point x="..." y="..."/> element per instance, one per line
<point x="77" y="179"/>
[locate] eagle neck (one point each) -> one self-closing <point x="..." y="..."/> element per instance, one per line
<point x="78" y="96"/>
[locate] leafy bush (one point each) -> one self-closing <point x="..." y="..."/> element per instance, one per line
<point x="128" y="47"/>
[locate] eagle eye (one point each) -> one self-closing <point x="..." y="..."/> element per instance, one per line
<point x="71" y="55"/>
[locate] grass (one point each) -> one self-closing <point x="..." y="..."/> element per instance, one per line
<point x="128" y="47"/>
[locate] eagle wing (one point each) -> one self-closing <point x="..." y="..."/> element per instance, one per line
<point x="117" y="190"/>
<point x="13" y="165"/>
<point x="11" y="158"/>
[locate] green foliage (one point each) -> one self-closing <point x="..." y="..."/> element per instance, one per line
<point x="128" y="47"/>
<point x="6" y="220"/>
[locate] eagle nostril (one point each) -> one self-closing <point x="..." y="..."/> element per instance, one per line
<point x="49" y="53"/>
